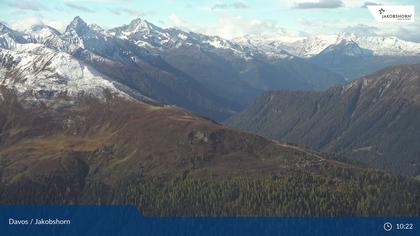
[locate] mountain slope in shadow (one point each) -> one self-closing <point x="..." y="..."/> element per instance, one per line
<point x="373" y="120"/>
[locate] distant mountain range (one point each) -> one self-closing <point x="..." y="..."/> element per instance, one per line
<point x="307" y="47"/>
<point x="341" y="53"/>
<point x="209" y="75"/>
<point x="374" y="120"/>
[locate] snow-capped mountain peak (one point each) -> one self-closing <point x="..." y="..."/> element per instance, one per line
<point x="142" y="33"/>
<point x="96" y="28"/>
<point x="77" y="27"/>
<point x="9" y="38"/>
<point x="4" y="28"/>
<point x="273" y="47"/>
<point x="79" y="34"/>
<point x="384" y="45"/>
<point x="41" y="33"/>
<point x="42" y="27"/>
<point x="347" y="48"/>
<point x="140" y="25"/>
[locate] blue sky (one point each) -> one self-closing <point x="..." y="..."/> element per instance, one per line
<point x="225" y="18"/>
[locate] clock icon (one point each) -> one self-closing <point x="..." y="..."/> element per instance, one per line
<point x="387" y="226"/>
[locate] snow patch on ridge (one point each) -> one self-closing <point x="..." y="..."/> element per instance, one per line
<point x="43" y="72"/>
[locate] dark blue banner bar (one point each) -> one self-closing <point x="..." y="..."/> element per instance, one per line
<point x="125" y="220"/>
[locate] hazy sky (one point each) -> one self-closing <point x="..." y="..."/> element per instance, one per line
<point x="225" y="18"/>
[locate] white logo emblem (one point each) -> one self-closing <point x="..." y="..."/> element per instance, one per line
<point x="392" y="13"/>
